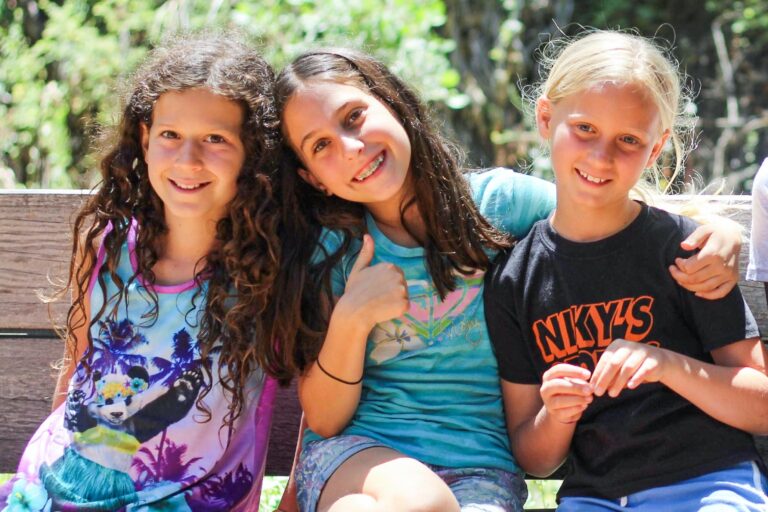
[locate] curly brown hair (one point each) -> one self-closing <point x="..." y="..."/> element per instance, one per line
<point x="241" y="266"/>
<point x="456" y="237"/>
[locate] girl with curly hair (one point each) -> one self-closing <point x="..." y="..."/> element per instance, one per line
<point x="163" y="401"/>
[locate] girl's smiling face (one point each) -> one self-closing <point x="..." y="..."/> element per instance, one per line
<point x="350" y="143"/>
<point x="194" y="153"/>
<point x="601" y="140"/>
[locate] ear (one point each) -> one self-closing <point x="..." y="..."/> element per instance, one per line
<point x="312" y="180"/>
<point x="144" y="132"/>
<point x="657" y="148"/>
<point x="543" y="116"/>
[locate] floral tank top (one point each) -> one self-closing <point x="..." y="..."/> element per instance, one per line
<point x="130" y="435"/>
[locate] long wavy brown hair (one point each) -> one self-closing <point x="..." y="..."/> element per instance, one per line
<point x="241" y="266"/>
<point x="456" y="233"/>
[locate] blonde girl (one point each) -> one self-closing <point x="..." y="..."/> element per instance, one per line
<point x="651" y="391"/>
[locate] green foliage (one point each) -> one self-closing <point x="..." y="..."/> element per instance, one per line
<point x="271" y="491"/>
<point x="60" y="62"/>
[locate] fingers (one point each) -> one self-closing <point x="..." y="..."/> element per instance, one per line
<point x="365" y="257"/>
<point x="643" y="373"/>
<point x="566" y="392"/>
<point x="707" y="276"/>
<point x="698" y="238"/>
<point x="718" y="292"/>
<point x="626" y="364"/>
<point x="567" y="371"/>
<point x="624" y="371"/>
<point x="714" y="270"/>
<point x="615" y="367"/>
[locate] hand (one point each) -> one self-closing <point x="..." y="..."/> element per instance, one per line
<point x="714" y="270"/>
<point x="566" y="392"/>
<point x="375" y="293"/>
<point x="627" y="364"/>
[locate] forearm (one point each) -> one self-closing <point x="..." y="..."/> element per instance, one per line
<point x="541" y="444"/>
<point x="329" y="404"/>
<point x="737" y="396"/>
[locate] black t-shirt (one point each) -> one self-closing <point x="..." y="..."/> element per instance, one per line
<point x="556" y="301"/>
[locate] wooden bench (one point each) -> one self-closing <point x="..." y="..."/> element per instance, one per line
<point x="35" y="244"/>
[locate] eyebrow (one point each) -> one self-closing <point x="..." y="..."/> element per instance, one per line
<point x="218" y="129"/>
<point x="313" y="132"/>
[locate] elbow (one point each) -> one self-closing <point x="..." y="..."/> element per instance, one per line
<point x="325" y="431"/>
<point x="541" y="469"/>
<point x="538" y="463"/>
<point x="324" y="427"/>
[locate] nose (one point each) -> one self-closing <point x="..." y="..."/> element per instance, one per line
<point x="189" y="154"/>
<point x="351" y="146"/>
<point x="601" y="152"/>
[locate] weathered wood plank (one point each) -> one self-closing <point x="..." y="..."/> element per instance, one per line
<point x="35" y="245"/>
<point x="27" y="381"/>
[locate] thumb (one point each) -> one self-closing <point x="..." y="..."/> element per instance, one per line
<point x="365" y="256"/>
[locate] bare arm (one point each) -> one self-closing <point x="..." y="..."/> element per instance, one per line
<point x="541" y="420"/>
<point x="79" y="336"/>
<point x="373" y="294"/>
<point x="734" y="390"/>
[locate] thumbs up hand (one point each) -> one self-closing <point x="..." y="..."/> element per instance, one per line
<point x="375" y="293"/>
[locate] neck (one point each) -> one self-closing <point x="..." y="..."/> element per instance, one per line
<point x="585" y="224"/>
<point x="184" y="249"/>
<point x="391" y="224"/>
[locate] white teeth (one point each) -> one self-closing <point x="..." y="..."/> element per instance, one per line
<point x="187" y="187"/>
<point x="370" y="169"/>
<point x="589" y="178"/>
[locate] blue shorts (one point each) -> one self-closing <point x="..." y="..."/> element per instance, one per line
<point x="476" y="489"/>
<point x="740" y="488"/>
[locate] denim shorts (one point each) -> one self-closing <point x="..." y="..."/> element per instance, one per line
<point x="476" y="489"/>
<point x="741" y="488"/>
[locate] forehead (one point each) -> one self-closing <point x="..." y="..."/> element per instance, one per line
<point x="198" y="105"/>
<point x="314" y="104"/>
<point x="623" y="103"/>
<point x="325" y="96"/>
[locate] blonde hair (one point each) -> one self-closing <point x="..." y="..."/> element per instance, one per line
<point x="599" y="57"/>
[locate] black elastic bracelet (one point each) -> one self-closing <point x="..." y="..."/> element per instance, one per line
<point x="348" y="382"/>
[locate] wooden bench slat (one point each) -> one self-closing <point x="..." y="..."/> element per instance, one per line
<point x="27" y="382"/>
<point x="35" y="245"/>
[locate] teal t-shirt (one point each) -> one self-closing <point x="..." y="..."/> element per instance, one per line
<point x="431" y="385"/>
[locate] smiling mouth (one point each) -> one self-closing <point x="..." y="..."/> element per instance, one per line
<point x="589" y="178"/>
<point x="187" y="186"/>
<point x="372" y="168"/>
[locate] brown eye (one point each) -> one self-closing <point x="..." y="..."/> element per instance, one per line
<point x="354" y="116"/>
<point x="319" y="145"/>
<point x="215" y="139"/>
